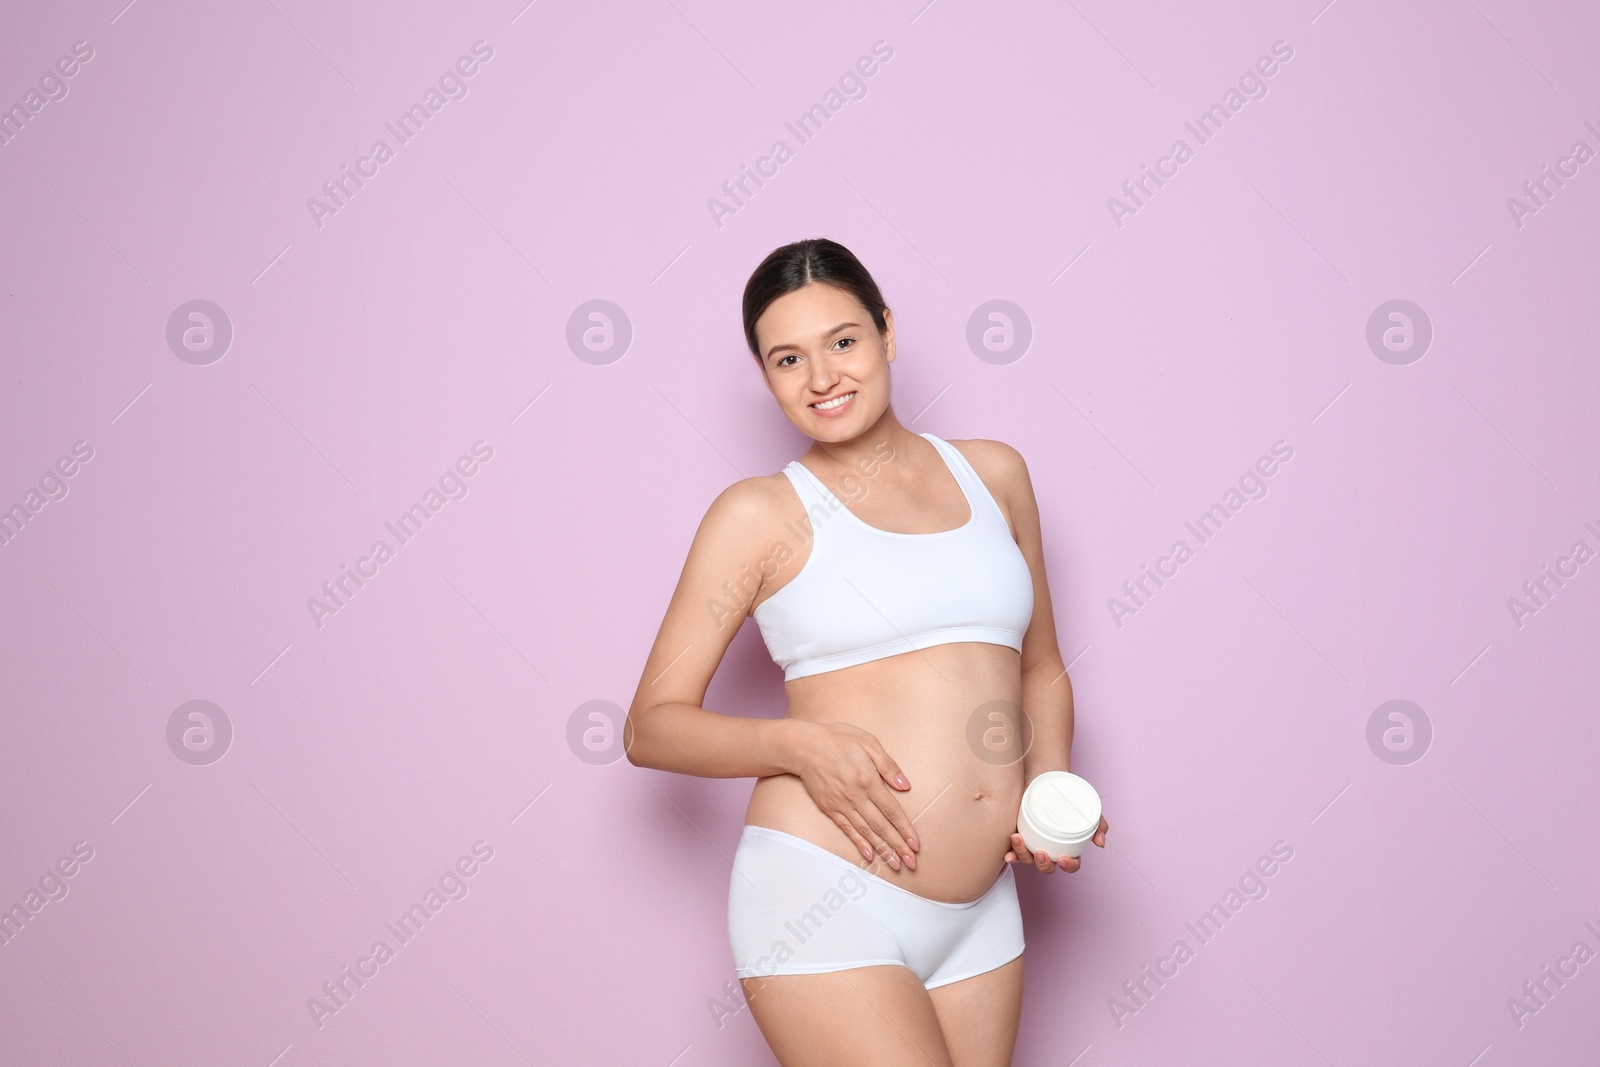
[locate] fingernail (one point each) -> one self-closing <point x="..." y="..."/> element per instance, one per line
<point x="911" y="861"/>
<point x="900" y="780"/>
<point x="866" y="852"/>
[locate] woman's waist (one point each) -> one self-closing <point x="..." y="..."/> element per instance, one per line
<point x="949" y="677"/>
<point x="963" y="824"/>
<point x="979" y="738"/>
<point x="964" y="761"/>
<point x="950" y="812"/>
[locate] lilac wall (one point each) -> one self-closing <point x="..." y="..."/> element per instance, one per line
<point x="225" y="864"/>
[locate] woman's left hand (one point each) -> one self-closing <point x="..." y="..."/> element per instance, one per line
<point x="1041" y="861"/>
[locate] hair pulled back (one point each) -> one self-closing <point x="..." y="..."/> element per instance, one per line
<point x="794" y="266"/>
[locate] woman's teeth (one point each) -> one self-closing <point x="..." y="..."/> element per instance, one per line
<point x="835" y="402"/>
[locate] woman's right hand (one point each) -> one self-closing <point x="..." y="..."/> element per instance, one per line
<point x="848" y="774"/>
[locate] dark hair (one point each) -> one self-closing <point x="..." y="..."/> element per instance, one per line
<point x="794" y="266"/>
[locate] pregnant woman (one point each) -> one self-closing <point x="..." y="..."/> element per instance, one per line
<point x="898" y="579"/>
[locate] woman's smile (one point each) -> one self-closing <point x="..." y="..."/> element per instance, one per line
<point x="835" y="406"/>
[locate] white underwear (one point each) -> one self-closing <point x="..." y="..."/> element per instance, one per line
<point x="796" y="908"/>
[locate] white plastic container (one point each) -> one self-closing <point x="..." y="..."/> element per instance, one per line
<point x="1060" y="813"/>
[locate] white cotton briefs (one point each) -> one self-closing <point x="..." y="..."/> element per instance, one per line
<point x="796" y="908"/>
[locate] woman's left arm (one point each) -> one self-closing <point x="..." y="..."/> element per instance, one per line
<point x="1046" y="688"/>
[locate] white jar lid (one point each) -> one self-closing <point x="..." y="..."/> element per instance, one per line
<point x="1063" y="804"/>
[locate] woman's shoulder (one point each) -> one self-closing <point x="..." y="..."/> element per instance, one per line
<point x="992" y="458"/>
<point x="753" y="506"/>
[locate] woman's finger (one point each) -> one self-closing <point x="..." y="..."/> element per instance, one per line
<point x="889" y="829"/>
<point x="880" y="848"/>
<point x="850" y="832"/>
<point x="897" y="824"/>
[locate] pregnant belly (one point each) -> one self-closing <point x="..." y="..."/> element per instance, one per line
<point x="934" y="712"/>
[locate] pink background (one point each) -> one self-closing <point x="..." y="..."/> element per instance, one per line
<point x="1230" y="311"/>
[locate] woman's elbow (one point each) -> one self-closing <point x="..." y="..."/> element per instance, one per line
<point x="634" y="745"/>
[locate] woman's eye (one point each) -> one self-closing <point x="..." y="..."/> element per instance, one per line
<point x="785" y="359"/>
<point x="842" y="340"/>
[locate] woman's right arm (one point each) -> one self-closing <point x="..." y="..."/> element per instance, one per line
<point x="846" y="770"/>
<point x="667" y="728"/>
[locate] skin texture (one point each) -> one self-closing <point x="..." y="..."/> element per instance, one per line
<point x="872" y="761"/>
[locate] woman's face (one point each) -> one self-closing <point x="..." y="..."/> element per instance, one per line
<point x="819" y="345"/>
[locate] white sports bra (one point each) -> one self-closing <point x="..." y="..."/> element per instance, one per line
<point x="865" y="593"/>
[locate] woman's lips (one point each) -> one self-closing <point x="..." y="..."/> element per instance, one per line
<point x="835" y="412"/>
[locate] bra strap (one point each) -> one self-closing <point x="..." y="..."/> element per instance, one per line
<point x="806" y="486"/>
<point x="967" y="475"/>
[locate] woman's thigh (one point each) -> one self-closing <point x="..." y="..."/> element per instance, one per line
<point x="979" y="1016"/>
<point x="879" y="1016"/>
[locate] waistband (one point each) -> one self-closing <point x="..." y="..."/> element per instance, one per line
<point x="821" y="853"/>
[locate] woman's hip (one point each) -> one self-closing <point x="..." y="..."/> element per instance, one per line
<point x="795" y="908"/>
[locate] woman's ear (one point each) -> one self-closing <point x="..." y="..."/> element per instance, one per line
<point x="888" y="336"/>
